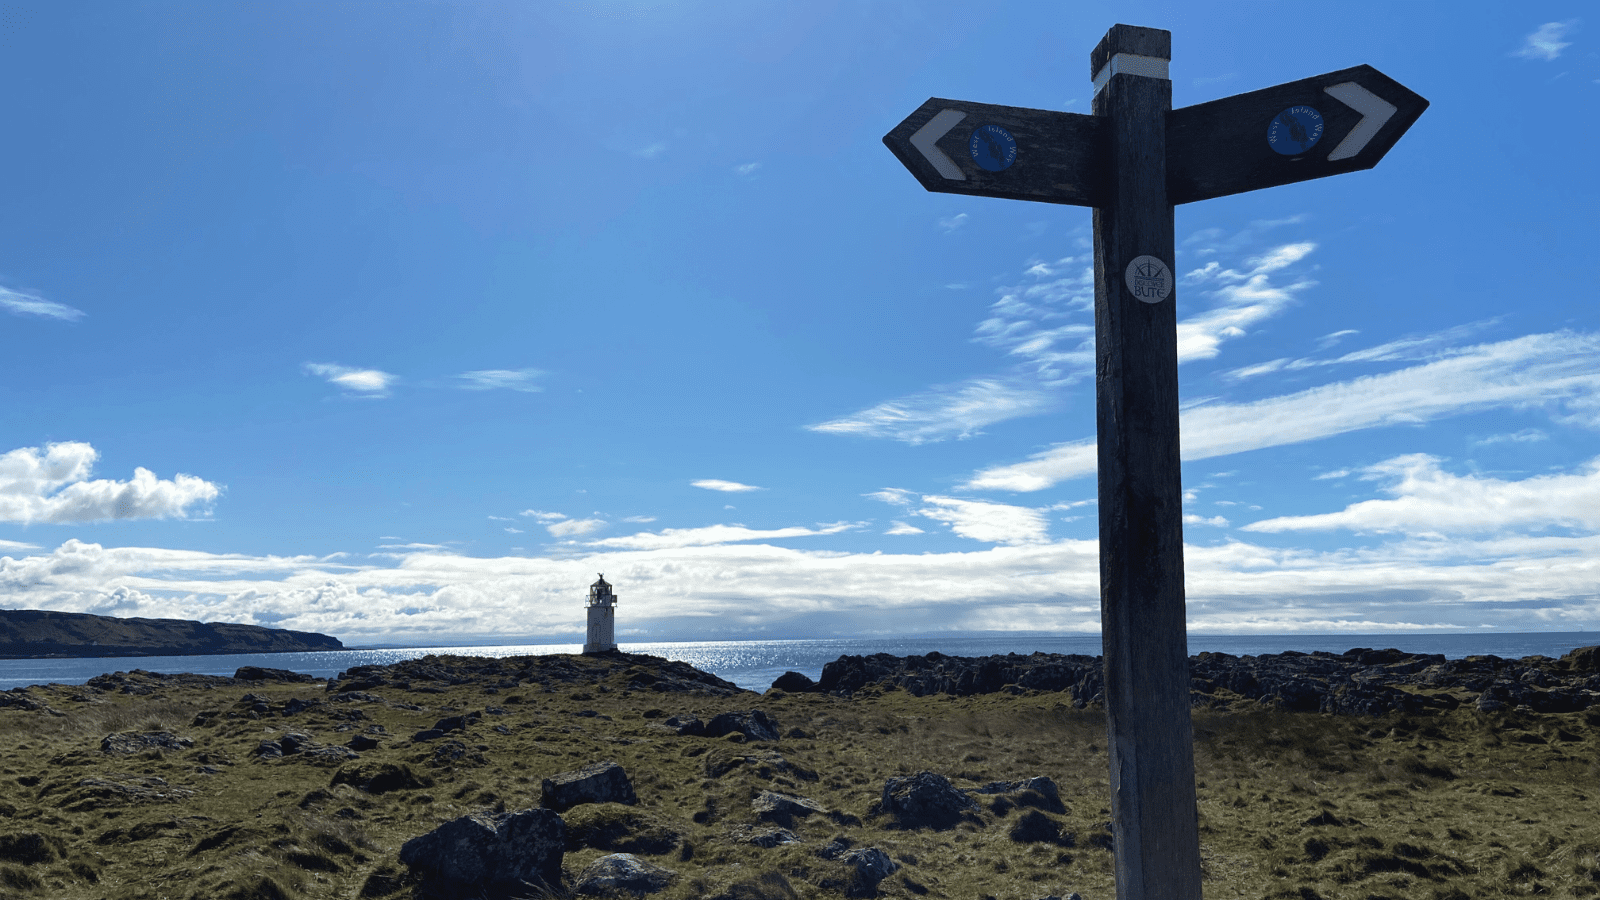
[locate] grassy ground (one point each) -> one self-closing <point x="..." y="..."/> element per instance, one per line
<point x="1453" y="805"/>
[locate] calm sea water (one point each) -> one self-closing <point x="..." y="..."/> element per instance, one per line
<point x="754" y="664"/>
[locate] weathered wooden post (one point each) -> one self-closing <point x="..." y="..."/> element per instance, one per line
<point x="1154" y="818"/>
<point x="1132" y="161"/>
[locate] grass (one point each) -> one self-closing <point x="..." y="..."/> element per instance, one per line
<point x="1292" y="805"/>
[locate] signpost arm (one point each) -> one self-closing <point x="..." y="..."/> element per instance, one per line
<point x="1154" y="815"/>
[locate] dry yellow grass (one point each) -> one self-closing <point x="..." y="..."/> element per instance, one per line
<point x="1293" y="805"/>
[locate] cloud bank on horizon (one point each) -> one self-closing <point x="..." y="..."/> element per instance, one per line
<point x="1390" y="379"/>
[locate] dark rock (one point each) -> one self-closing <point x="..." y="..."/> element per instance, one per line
<point x="925" y="800"/>
<point x="794" y="683"/>
<point x="871" y="864"/>
<point x="427" y="734"/>
<point x="362" y="742"/>
<point x="127" y="743"/>
<point x="763" y="837"/>
<point x="1361" y="681"/>
<point x="258" y="673"/>
<point x="380" y="778"/>
<point x="452" y="753"/>
<point x="771" y="806"/>
<point x="623" y="872"/>
<point x="835" y="848"/>
<point x="753" y="724"/>
<point x="494" y="854"/>
<point x="604" y="782"/>
<point x="91" y="793"/>
<point x="686" y="725"/>
<point x="456" y="723"/>
<point x="1039" y="792"/>
<point x="430" y="674"/>
<point x="1035" y="827"/>
<point x="1584" y="660"/>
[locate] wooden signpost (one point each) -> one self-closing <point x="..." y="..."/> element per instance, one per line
<point x="1132" y="161"/>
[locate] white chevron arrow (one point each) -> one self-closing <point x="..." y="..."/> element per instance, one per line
<point x="1374" y="112"/>
<point x="938" y="127"/>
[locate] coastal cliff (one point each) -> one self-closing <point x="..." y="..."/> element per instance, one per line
<point x="39" y="634"/>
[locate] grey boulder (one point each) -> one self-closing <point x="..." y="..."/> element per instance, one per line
<point x="623" y="872"/>
<point x="925" y="800"/>
<point x="604" y="782"/>
<point x="490" y="854"/>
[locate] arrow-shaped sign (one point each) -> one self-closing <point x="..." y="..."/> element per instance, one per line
<point x="957" y="147"/>
<point x="1339" y="122"/>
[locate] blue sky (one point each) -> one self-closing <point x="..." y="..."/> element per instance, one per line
<point x="400" y="325"/>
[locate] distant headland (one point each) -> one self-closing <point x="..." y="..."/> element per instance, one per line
<point x="43" y="634"/>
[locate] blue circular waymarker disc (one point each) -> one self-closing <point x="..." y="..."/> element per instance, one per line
<point x="992" y="147"/>
<point x="1295" y="130"/>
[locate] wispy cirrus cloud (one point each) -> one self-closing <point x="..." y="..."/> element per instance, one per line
<point x="671" y="538"/>
<point x="501" y="379"/>
<point x="1242" y="299"/>
<point x="959" y="411"/>
<point x="1547" y="41"/>
<point x="1045" y="327"/>
<point x="1415" y="347"/>
<point x="730" y="487"/>
<point x="25" y="304"/>
<point x="356" y="382"/>
<point x="1558" y="369"/>
<point x="52" y="485"/>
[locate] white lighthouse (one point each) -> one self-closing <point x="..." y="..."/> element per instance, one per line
<point x="602" y="618"/>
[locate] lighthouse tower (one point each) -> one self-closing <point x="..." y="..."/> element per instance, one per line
<point x="602" y="618"/>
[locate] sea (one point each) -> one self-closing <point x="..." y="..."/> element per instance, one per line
<point x="756" y="664"/>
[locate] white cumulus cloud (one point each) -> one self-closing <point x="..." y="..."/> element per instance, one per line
<point x="1546" y="42"/>
<point x="51" y="484"/>
<point x="982" y="520"/>
<point x="717" y="484"/>
<point x="1428" y="499"/>
<point x="574" y="527"/>
<point x="359" y="382"/>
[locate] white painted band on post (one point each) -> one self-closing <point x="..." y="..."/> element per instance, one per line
<point x="1129" y="64"/>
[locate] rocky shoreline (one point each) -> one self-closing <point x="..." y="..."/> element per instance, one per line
<point x="905" y="777"/>
<point x="1361" y="681"/>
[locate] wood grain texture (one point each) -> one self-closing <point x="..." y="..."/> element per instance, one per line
<point x="1156" y="42"/>
<point x="1060" y="155"/>
<point x="1154" y="814"/>
<point x="1219" y="148"/>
